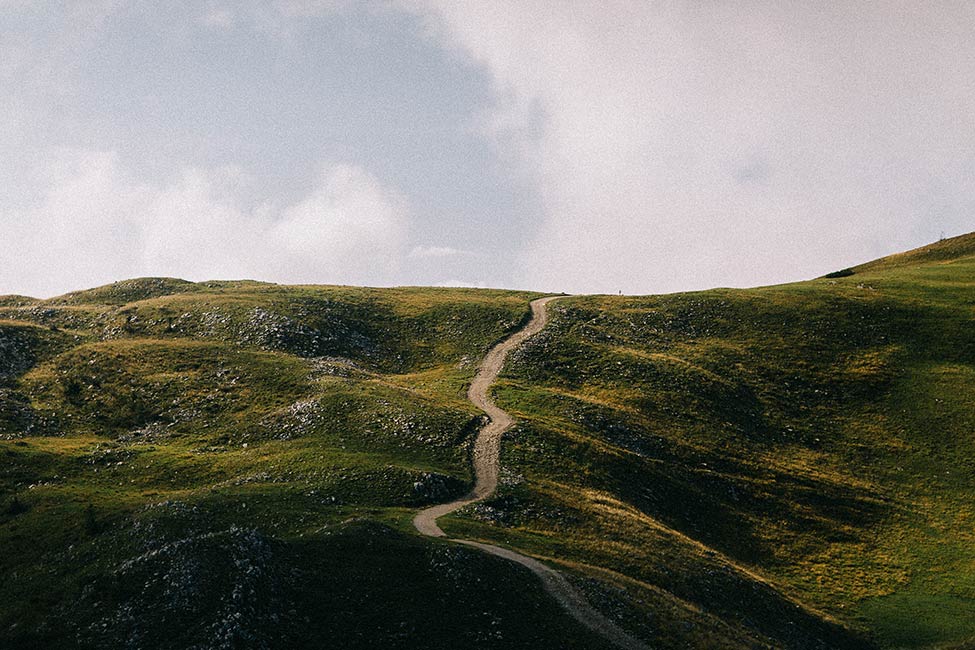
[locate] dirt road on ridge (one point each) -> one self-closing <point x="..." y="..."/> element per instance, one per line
<point x="486" y="452"/>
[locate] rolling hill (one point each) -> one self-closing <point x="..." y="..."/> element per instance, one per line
<point x="236" y="464"/>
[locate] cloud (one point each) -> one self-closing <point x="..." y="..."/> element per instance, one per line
<point x="360" y="225"/>
<point x="466" y="284"/>
<point x="93" y="224"/>
<point x="309" y="8"/>
<point x="637" y="146"/>
<point x="419" y="252"/>
<point x="683" y="145"/>
<point x="278" y="17"/>
<point x="219" y="17"/>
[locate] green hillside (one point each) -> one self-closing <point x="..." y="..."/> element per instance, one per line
<point x="817" y="437"/>
<point x="235" y="464"/>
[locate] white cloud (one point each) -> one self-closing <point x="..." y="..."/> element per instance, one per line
<point x="359" y="226"/>
<point x="468" y="284"/>
<point x="220" y="17"/>
<point x="279" y="17"/>
<point x="686" y="145"/>
<point x="93" y="225"/>
<point x="309" y="8"/>
<point x="420" y="252"/>
<point x="668" y="145"/>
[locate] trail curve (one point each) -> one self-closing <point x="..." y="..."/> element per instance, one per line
<point x="487" y="447"/>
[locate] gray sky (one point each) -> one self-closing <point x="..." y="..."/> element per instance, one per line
<point x="578" y="146"/>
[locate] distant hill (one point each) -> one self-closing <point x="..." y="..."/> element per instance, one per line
<point x="235" y="464"/>
<point x="945" y="250"/>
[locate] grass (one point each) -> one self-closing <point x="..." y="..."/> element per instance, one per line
<point x="238" y="463"/>
<point x="814" y="436"/>
<point x="155" y="415"/>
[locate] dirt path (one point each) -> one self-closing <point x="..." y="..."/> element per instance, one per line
<point x="486" y="451"/>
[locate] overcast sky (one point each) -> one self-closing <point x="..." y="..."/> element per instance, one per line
<point x="567" y="146"/>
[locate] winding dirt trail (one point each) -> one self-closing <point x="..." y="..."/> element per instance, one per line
<point x="486" y="452"/>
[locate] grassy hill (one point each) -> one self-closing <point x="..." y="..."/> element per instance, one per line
<point x="815" y="437"/>
<point x="235" y="464"/>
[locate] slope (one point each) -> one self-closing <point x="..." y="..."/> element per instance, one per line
<point x="795" y="460"/>
<point x="236" y="464"/>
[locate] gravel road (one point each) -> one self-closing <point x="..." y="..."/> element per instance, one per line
<point x="486" y="451"/>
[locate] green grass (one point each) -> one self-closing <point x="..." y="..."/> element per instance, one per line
<point x="933" y="618"/>
<point x="157" y="413"/>
<point x="816" y="435"/>
<point x="785" y="466"/>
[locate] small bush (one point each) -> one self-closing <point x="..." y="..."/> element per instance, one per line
<point x="842" y="273"/>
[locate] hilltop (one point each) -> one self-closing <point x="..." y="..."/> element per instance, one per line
<point x="953" y="249"/>
<point x="236" y="464"/>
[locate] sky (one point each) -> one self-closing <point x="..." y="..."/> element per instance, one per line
<point x="577" y="146"/>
